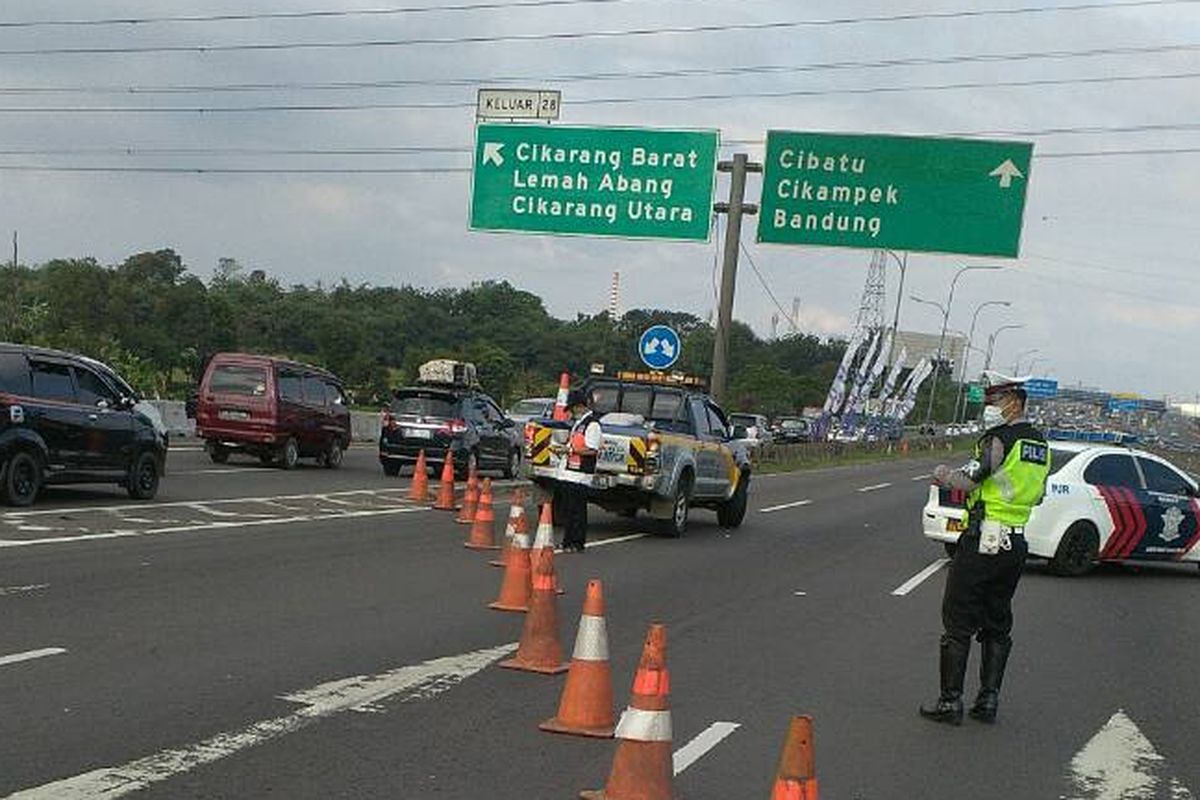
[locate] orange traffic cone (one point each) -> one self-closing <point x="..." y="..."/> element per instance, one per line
<point x="470" y="500"/>
<point x="586" y="706"/>
<point x="540" y="650"/>
<point x="561" y="412"/>
<point x="515" y="587"/>
<point x="544" y="539"/>
<point x="642" y="768"/>
<point x="445" y="498"/>
<point x="418" y="492"/>
<point x="516" y="524"/>
<point x="796" y="779"/>
<point x="483" y="533"/>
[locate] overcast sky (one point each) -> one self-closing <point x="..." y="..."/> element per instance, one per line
<point x="1106" y="284"/>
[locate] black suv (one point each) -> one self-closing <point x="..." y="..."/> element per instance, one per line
<point x="437" y="419"/>
<point x="65" y="418"/>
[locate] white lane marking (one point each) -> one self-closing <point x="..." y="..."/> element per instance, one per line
<point x="616" y="540"/>
<point x="875" y="487"/>
<point x="185" y="503"/>
<point x="209" y="526"/>
<point x="800" y="594"/>
<point x="796" y="504"/>
<point x="33" y="587"/>
<point x="34" y="528"/>
<point x="212" y="512"/>
<point x="362" y="693"/>
<point x="1120" y="763"/>
<point x="230" y="471"/>
<point x="924" y="477"/>
<point x="30" y="655"/>
<point x="709" y="738"/>
<point x="920" y="577"/>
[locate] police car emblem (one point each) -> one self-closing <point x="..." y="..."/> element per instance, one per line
<point x="1172" y="520"/>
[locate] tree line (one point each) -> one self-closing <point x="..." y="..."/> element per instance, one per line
<point x="157" y="323"/>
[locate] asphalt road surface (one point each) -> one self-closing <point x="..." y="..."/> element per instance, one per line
<point x="310" y="634"/>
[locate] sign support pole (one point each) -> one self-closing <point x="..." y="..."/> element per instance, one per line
<point x="734" y="209"/>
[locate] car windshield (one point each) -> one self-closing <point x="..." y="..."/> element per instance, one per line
<point x="793" y="423"/>
<point x="745" y="420"/>
<point x="424" y="404"/>
<point x="531" y="408"/>
<point x="233" y="379"/>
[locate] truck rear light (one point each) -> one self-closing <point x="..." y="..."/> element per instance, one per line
<point x="653" y="447"/>
<point x="455" y="427"/>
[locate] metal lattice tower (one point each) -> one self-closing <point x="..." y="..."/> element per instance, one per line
<point x="614" y="297"/>
<point x="870" y="308"/>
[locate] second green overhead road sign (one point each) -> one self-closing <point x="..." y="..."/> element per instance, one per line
<point x="962" y="196"/>
<point x="632" y="182"/>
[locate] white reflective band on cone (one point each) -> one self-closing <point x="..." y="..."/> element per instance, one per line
<point x="591" y="643"/>
<point x="545" y="537"/>
<point x="521" y="540"/>
<point x="644" y="726"/>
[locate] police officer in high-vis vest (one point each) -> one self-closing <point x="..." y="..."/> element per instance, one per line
<point x="1004" y="481"/>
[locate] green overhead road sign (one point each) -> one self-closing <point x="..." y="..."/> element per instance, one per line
<point x="962" y="196"/>
<point x="975" y="393"/>
<point x="630" y="182"/>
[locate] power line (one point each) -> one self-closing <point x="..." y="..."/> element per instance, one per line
<point x="763" y="282"/>
<point x="465" y="149"/>
<point x="292" y="15"/>
<point x="451" y="105"/>
<point x="760" y="69"/>
<point x="439" y="170"/>
<point x="580" y="35"/>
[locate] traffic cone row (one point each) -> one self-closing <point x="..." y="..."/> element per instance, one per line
<point x="470" y="500"/>
<point x="642" y="767"/>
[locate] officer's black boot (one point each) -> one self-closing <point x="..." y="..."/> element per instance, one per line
<point x="953" y="667"/>
<point x="993" y="658"/>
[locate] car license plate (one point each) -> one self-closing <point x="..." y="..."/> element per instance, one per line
<point x="239" y="416"/>
<point x="613" y="452"/>
<point x="955" y="525"/>
<point x="419" y="433"/>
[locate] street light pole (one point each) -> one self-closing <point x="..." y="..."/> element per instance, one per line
<point x="937" y="365"/>
<point x="903" y="264"/>
<point x="967" y="352"/>
<point x="1021" y="355"/>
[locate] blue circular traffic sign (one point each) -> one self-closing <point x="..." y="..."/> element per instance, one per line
<point x="659" y="347"/>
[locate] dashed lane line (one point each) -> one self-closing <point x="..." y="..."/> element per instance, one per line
<point x="924" y="477"/>
<point x="709" y="738"/>
<point x="6" y="591"/>
<point x="920" y="577"/>
<point x="874" y="487"/>
<point x="359" y="693"/>
<point x="30" y="655"/>
<point x="784" y="506"/>
<point x="209" y="526"/>
<point x="43" y="512"/>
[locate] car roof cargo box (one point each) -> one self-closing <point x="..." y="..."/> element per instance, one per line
<point x="447" y="372"/>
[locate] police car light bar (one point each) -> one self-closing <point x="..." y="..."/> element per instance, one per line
<point x="673" y="379"/>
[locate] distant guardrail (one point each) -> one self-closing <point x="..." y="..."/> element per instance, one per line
<point x="808" y="453"/>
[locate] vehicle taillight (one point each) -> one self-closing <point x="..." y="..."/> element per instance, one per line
<point x="653" y="445"/>
<point x="529" y="429"/>
<point x="455" y="427"/>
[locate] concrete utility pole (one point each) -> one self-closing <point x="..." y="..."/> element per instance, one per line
<point x="734" y="209"/>
<point x="14" y="261"/>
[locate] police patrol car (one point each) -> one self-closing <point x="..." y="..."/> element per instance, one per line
<point x="1102" y="503"/>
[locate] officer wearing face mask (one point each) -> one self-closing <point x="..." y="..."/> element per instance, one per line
<point x="1004" y="481"/>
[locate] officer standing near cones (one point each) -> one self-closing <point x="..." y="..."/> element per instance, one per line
<point x="1004" y="481"/>
<point x="582" y="451"/>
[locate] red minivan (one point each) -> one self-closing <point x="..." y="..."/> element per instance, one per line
<point x="278" y="410"/>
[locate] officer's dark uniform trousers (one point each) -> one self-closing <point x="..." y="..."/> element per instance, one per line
<point x="980" y="588"/>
